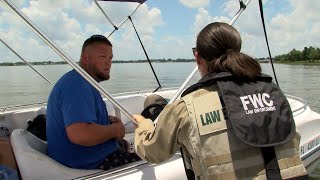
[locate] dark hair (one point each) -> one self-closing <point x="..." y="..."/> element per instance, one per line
<point x="95" y="39"/>
<point x="220" y="44"/>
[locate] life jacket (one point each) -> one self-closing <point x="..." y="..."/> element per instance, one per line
<point x="241" y="130"/>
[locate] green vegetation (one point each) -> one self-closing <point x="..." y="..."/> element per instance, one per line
<point x="307" y="55"/>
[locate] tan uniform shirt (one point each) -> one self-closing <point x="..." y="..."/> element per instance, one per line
<point x="155" y="144"/>
<point x="174" y="129"/>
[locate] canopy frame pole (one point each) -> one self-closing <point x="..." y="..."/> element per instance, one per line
<point x="178" y="93"/>
<point x="59" y="51"/>
<point x="126" y="19"/>
<point x="26" y="62"/>
<point x="145" y="52"/>
<point x="185" y="83"/>
<point x="115" y="27"/>
<point x="105" y="15"/>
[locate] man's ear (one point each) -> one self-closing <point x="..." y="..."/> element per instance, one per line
<point x="84" y="57"/>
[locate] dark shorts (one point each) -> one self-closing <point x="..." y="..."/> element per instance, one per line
<point x="118" y="158"/>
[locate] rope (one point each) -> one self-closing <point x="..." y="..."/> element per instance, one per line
<point x="265" y="35"/>
<point x="116" y="28"/>
<point x="155" y="75"/>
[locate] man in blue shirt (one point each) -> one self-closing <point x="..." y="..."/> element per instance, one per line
<point x="80" y="133"/>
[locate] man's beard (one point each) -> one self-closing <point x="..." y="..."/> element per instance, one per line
<point x="101" y="76"/>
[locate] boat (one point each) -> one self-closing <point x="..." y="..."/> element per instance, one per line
<point x="30" y="151"/>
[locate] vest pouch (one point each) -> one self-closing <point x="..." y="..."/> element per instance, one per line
<point x="259" y="112"/>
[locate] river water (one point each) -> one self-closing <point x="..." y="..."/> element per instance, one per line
<point x="21" y="85"/>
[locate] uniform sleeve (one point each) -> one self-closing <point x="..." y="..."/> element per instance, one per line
<point x="158" y="143"/>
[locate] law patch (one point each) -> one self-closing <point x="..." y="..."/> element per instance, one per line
<point x="209" y="115"/>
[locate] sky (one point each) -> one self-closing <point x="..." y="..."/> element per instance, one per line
<point x="167" y="28"/>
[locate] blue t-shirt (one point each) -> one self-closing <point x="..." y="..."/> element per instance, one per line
<point x="73" y="100"/>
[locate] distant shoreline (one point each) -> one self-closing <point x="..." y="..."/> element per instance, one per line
<point x="114" y="61"/>
<point x="300" y="63"/>
<point x="317" y="62"/>
<point x="308" y="56"/>
<point x="294" y="62"/>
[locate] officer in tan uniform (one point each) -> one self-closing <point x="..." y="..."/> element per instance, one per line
<point x="235" y="123"/>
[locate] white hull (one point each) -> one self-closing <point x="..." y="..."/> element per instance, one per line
<point x="307" y="122"/>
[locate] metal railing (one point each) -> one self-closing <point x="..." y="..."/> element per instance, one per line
<point x="4" y="109"/>
<point x="303" y="106"/>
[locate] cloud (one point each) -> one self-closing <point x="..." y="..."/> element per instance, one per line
<point x="28" y="47"/>
<point x="203" y="18"/>
<point x="286" y="30"/>
<point x="69" y="23"/>
<point x="146" y="22"/>
<point x="296" y="29"/>
<point x="195" y="4"/>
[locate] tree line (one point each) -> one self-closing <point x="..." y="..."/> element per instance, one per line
<point x="308" y="54"/>
<point x="114" y="61"/>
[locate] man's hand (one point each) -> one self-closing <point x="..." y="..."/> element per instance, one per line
<point x="118" y="127"/>
<point x="114" y="119"/>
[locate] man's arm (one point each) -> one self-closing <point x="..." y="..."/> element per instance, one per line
<point x="90" y="134"/>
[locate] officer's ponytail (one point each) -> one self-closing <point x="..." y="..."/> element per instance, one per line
<point x="239" y="64"/>
<point x="220" y="44"/>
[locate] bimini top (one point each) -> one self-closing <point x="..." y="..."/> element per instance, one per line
<point x="139" y="1"/>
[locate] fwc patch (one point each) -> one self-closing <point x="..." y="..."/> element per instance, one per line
<point x="256" y="103"/>
<point x="209" y="115"/>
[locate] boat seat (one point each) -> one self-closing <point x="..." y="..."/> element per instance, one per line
<point x="33" y="163"/>
<point x="132" y="103"/>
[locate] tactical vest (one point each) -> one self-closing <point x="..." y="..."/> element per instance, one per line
<point x="232" y="122"/>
